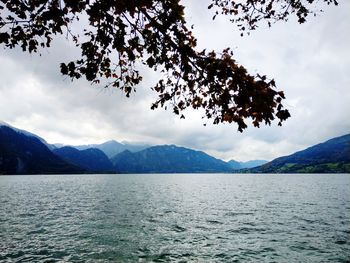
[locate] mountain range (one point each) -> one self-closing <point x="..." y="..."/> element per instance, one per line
<point x="22" y="152"/>
<point x="168" y="159"/>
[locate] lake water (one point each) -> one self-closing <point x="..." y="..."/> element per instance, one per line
<point x="176" y="218"/>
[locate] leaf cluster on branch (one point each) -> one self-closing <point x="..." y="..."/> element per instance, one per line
<point x="121" y="34"/>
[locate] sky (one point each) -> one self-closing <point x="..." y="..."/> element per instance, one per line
<point x="309" y="62"/>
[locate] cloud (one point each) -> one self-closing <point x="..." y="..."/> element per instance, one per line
<point x="309" y="62"/>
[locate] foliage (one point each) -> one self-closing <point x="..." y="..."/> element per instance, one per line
<point x="247" y="14"/>
<point x="314" y="168"/>
<point x="122" y="34"/>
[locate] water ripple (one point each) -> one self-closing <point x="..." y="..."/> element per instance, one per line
<point x="175" y="218"/>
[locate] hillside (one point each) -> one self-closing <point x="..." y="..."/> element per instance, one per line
<point x="332" y="156"/>
<point x="22" y="153"/>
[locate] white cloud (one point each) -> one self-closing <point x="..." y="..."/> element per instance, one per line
<point x="310" y="62"/>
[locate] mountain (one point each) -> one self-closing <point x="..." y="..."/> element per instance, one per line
<point x="168" y="159"/>
<point x="112" y="148"/>
<point x="27" y="133"/>
<point x="253" y="163"/>
<point x="235" y="165"/>
<point x="24" y="153"/>
<point x="93" y="160"/>
<point x="332" y="156"/>
<point x="243" y="165"/>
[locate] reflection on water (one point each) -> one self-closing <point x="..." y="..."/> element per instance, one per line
<point x="162" y="218"/>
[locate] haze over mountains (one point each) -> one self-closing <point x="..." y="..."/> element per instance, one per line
<point x="243" y="165"/>
<point x="112" y="147"/>
<point x="22" y="152"/>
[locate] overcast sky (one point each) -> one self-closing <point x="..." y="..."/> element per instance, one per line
<point x="310" y="62"/>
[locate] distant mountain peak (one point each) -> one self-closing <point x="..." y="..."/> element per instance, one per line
<point x="111" y="142"/>
<point x="113" y="147"/>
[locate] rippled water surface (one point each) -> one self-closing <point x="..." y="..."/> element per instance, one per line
<point x="162" y="218"/>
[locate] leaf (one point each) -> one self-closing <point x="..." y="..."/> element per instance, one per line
<point x="4" y="38"/>
<point x="64" y="68"/>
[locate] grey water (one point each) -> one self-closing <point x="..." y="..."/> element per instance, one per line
<point x="175" y="218"/>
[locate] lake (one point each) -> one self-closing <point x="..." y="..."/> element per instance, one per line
<point x="175" y="218"/>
